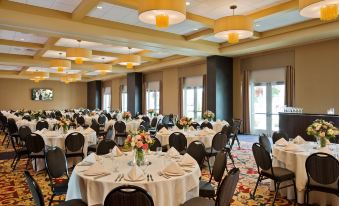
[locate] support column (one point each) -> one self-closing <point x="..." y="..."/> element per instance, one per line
<point x="134" y="93"/>
<point x="94" y="95"/>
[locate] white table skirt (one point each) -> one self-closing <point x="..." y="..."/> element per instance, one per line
<point x="165" y="192"/>
<point x="191" y="136"/>
<point x="32" y="124"/>
<point x="295" y="161"/>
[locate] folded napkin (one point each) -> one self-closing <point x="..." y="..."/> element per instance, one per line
<point x="299" y="140"/>
<point x="187" y="160"/>
<point x="163" y="131"/>
<point x="92" y="158"/>
<point x="203" y="132"/>
<point x="173" y="169"/>
<point x="191" y="128"/>
<point x="175" y="128"/>
<point x="281" y="142"/>
<point x="225" y="123"/>
<point x="325" y="150"/>
<point x="117" y="152"/>
<point x="44" y="130"/>
<point x="88" y="130"/>
<point x="135" y="173"/>
<point x="294" y="148"/>
<point x="172" y="152"/>
<point x="96" y="169"/>
<point x="218" y="121"/>
<point x="79" y="129"/>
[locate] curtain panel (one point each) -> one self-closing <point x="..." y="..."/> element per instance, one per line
<point x="246" y="99"/>
<point x="290" y="86"/>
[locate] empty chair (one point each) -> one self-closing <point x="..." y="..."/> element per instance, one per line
<point x="236" y="124"/>
<point x="206" y="124"/>
<point x="265" y="142"/>
<point x="105" y="146"/>
<point x="108" y="116"/>
<point x="12" y="129"/>
<point x="102" y="120"/>
<point x="145" y="125"/>
<point x="206" y="189"/>
<point x="27" y="117"/>
<point x="19" y="151"/>
<point x="146" y="119"/>
<point x="38" y="197"/>
<point x="42" y="125"/>
<point x="35" y="147"/>
<point x="128" y="195"/>
<point x="24" y="131"/>
<point x="224" y="193"/>
<point x="155" y="145"/>
<point x="80" y="121"/>
<point x="227" y="129"/>
<point x="97" y="128"/>
<point x="109" y="136"/>
<point x="74" y="145"/>
<point x="160" y="126"/>
<point x="266" y="170"/>
<point x="218" y="143"/>
<point x="153" y="126"/>
<point x="196" y="125"/>
<point x="178" y="141"/>
<point x="120" y="131"/>
<point x="197" y="150"/>
<point x="277" y="135"/>
<point x="322" y="174"/>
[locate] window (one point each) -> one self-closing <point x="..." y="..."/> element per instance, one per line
<point x="107" y="99"/>
<point x="153" y="96"/>
<point x="193" y="97"/>
<point x="123" y="98"/>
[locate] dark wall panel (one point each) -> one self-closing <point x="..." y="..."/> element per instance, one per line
<point x="134" y="92"/>
<point x="94" y="95"/>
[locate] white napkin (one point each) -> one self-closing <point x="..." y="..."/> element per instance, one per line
<point x="191" y="128"/>
<point x="203" y="132"/>
<point x="299" y="140"/>
<point x="172" y="152"/>
<point x="173" y="169"/>
<point x="218" y="121"/>
<point x="187" y="160"/>
<point x="44" y="130"/>
<point x="175" y="128"/>
<point x="325" y="150"/>
<point x="135" y="173"/>
<point x="117" y="152"/>
<point x="294" y="148"/>
<point x="225" y="123"/>
<point x="92" y="158"/>
<point x="96" y="169"/>
<point x="163" y="131"/>
<point x="281" y="142"/>
<point x="88" y="130"/>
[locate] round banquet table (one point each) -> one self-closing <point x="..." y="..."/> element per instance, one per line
<point x="201" y="135"/>
<point x="165" y="192"/>
<point x="57" y="139"/>
<point x="32" y="124"/>
<point x="295" y="161"/>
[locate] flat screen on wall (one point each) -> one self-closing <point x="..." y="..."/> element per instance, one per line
<point x="39" y="94"/>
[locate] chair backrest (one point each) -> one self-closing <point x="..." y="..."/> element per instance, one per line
<point x="165" y="120"/>
<point x="265" y="142"/>
<point x="226" y="129"/>
<point x="35" y="143"/>
<point x="42" y="125"/>
<point x="219" y="141"/>
<point x="277" y="135"/>
<point x="227" y="188"/>
<point x="120" y="127"/>
<point x="154" y="122"/>
<point x="236" y="124"/>
<point x="206" y="124"/>
<point x="128" y="195"/>
<point x="12" y="127"/>
<point x="160" y="126"/>
<point x="109" y="134"/>
<point x="109" y="116"/>
<point x="24" y="131"/>
<point x="104" y="146"/>
<point x="27" y="117"/>
<point x="178" y="141"/>
<point x="58" y="113"/>
<point x="146" y="119"/>
<point x="3" y="120"/>
<point x="56" y="163"/>
<point x="74" y="142"/>
<point x="197" y="150"/>
<point x="219" y="166"/>
<point x="102" y="119"/>
<point x="262" y="157"/>
<point x="95" y="126"/>
<point x="80" y="120"/>
<point x="322" y="168"/>
<point x="195" y="125"/>
<point x="145" y="124"/>
<point x="52" y="115"/>
<point x="156" y="143"/>
<point x="33" y="186"/>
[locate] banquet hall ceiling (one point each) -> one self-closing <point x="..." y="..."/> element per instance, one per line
<point x="32" y="32"/>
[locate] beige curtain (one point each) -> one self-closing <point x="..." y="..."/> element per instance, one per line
<point x="204" y="93"/>
<point x="120" y="100"/>
<point x="181" y="86"/>
<point x="246" y="105"/>
<point x="161" y="98"/>
<point x="144" y="88"/>
<point x="290" y="86"/>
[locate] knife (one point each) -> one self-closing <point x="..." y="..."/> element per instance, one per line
<point x="117" y="178"/>
<point x="151" y="177"/>
<point x="122" y="176"/>
<point x="100" y="176"/>
<point x="147" y="177"/>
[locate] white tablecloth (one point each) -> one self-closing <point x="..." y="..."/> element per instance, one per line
<point x="32" y="124"/>
<point x="56" y="138"/>
<point x="132" y="125"/>
<point x="191" y="136"/>
<point x="295" y="161"/>
<point x="165" y="192"/>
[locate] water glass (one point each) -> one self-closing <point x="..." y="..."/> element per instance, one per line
<point x="159" y="150"/>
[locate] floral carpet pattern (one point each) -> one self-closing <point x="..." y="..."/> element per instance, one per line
<point x="14" y="190"/>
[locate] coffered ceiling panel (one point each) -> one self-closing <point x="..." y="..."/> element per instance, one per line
<point x="44" y="69"/>
<point x="17" y="50"/>
<point x="159" y="55"/>
<point x="61" y="5"/>
<point x="10" y="68"/>
<point x="62" y="55"/>
<point x="18" y="36"/>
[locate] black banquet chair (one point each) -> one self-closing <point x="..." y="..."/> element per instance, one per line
<point x="38" y="197"/>
<point x="74" y="145"/>
<point x="178" y="141"/>
<point x="195" y="125"/>
<point x="24" y="131"/>
<point x="218" y="143"/>
<point x="267" y="171"/>
<point x="35" y="145"/>
<point x="156" y="143"/>
<point x="120" y="132"/>
<point x="197" y="150"/>
<point x="265" y="142"/>
<point x="224" y="193"/>
<point x="42" y="125"/>
<point x="105" y="146"/>
<point x="19" y="151"/>
<point x="322" y="174"/>
<point x="206" y="124"/>
<point x="277" y="135"/>
<point x="128" y="195"/>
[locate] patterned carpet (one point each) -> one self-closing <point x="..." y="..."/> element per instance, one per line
<point x="14" y="190"/>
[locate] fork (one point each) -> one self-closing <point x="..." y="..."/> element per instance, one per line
<point x="117" y="177"/>
<point x="122" y="176"/>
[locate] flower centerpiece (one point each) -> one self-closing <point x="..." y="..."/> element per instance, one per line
<point x="209" y="115"/>
<point x="185" y="122"/>
<point x="36" y="115"/>
<point x="93" y="113"/>
<point x="139" y="142"/>
<point x="64" y="123"/>
<point x="126" y="115"/>
<point x="151" y="112"/>
<point x="322" y="130"/>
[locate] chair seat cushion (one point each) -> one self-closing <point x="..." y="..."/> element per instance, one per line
<point x="92" y="148"/>
<point x="61" y="187"/>
<point x="199" y="201"/>
<point x="75" y="202"/>
<point x="280" y="174"/>
<point x="206" y="189"/>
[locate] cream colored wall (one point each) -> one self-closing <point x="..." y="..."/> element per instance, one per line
<point x="16" y="94"/>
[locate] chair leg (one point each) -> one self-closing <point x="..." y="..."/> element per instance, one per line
<point x="209" y="166"/>
<point x="51" y="200"/>
<point x="255" y="188"/>
<point x="237" y="141"/>
<point x="276" y="193"/>
<point x="14" y="159"/>
<point x="307" y="196"/>
<point x="295" y="193"/>
<point x="18" y="159"/>
<point x="28" y="159"/>
<point x="4" y="139"/>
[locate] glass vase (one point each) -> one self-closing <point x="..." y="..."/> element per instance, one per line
<point x="321" y="141"/>
<point x="139" y="156"/>
<point x="64" y="128"/>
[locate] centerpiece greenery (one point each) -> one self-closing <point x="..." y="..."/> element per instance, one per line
<point x="185" y="122"/>
<point x="139" y="142"/>
<point x="209" y="115"/>
<point x="322" y="130"/>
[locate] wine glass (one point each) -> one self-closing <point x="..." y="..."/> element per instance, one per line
<point x="159" y="150"/>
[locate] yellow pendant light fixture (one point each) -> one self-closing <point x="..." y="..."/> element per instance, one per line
<point x="326" y="10"/>
<point x="68" y="78"/>
<point x="60" y="64"/>
<point x="103" y="68"/>
<point x="38" y="76"/>
<point x="78" y="54"/>
<point x="130" y="60"/>
<point x="162" y="13"/>
<point x="233" y="28"/>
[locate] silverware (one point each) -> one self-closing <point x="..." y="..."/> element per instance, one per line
<point x="151" y="177"/>
<point x="147" y="177"/>
<point x="122" y="176"/>
<point x="100" y="176"/>
<point x="163" y="175"/>
<point x="117" y="178"/>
